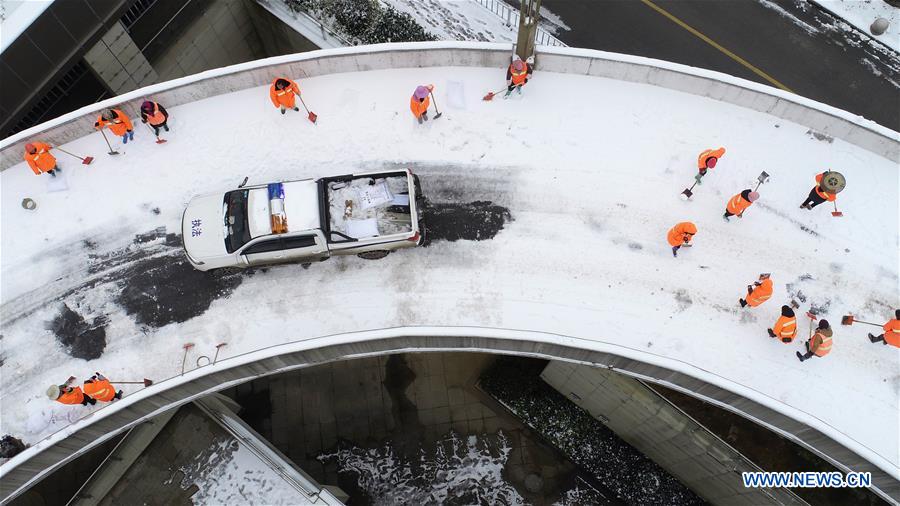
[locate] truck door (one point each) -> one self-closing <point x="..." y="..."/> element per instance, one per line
<point x="267" y="251"/>
<point x="310" y="248"/>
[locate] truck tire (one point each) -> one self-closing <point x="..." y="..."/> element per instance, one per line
<point x="373" y="255"/>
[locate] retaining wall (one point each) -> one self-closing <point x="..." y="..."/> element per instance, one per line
<point x="817" y="116"/>
<point x="39" y="461"/>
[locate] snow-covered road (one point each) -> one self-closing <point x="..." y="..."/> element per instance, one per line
<point x="583" y="177"/>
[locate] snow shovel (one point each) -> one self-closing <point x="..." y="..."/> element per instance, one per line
<point x="687" y="191"/>
<point x="763" y="177"/>
<point x="86" y="160"/>
<point x="146" y="382"/>
<point x="158" y="139"/>
<point x="433" y="101"/>
<point x="186" y="347"/>
<point x="218" y="346"/>
<point x="849" y="320"/>
<point x="490" y="95"/>
<point x="836" y="213"/>
<point x="312" y="116"/>
<point x="111" y="150"/>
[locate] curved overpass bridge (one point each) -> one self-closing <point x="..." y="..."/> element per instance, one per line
<point x="548" y="218"/>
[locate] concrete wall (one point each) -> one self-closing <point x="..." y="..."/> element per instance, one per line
<point x="119" y="63"/>
<point x="706" y="464"/>
<point x="40" y="460"/>
<point x="818" y="117"/>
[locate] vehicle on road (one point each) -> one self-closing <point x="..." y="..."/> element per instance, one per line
<point x="308" y="220"/>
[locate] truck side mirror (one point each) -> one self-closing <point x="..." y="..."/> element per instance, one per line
<point x="244" y="182"/>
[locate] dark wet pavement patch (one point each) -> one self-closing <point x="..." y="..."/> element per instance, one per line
<point x="162" y="290"/>
<point x="473" y="221"/>
<point x="79" y="338"/>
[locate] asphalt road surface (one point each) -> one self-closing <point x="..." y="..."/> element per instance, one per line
<point x="791" y="42"/>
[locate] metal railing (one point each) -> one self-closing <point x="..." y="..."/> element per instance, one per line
<point x="510" y="16"/>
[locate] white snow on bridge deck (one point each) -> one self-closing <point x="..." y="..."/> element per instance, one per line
<point x="590" y="169"/>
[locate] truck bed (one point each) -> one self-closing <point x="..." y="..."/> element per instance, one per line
<point x="369" y="206"/>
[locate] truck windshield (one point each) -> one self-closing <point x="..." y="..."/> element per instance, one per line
<point x="236" y="231"/>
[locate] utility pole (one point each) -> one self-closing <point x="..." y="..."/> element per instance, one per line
<point x="529" y="15"/>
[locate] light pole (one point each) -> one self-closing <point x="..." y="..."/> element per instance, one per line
<point x="529" y="15"/>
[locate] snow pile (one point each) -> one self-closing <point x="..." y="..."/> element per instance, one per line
<point x="464" y="471"/>
<point x="862" y="13"/>
<point x="575" y="192"/>
<point x="229" y="473"/>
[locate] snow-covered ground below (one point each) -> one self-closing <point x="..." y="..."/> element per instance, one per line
<point x="862" y="13"/>
<point x="570" y="188"/>
<point x="470" y="20"/>
<point x="227" y="472"/>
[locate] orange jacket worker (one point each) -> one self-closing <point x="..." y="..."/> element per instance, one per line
<point x="67" y="394"/>
<point x="818" y="194"/>
<point x="117" y="122"/>
<point x="420" y="101"/>
<point x="680" y="235"/>
<point x="891" y="334"/>
<point x="786" y="326"/>
<point x="820" y="343"/>
<point x="759" y="292"/>
<point x="517" y="75"/>
<point x="38" y="156"/>
<point x="99" y="388"/>
<point x="708" y="160"/>
<point x="739" y="203"/>
<point x="283" y="94"/>
<point x="155" y="115"/>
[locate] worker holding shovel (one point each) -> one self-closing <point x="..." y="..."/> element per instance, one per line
<point x="420" y="101"/>
<point x="99" y="388"/>
<point x="38" y="156"/>
<point x="891" y="329"/>
<point x="706" y="161"/>
<point x="739" y="203"/>
<point x="891" y="333"/>
<point x="828" y="185"/>
<point x="819" y="344"/>
<point x="517" y="75"/>
<point x="156" y="116"/>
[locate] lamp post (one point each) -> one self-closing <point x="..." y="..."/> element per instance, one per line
<point x="529" y="15"/>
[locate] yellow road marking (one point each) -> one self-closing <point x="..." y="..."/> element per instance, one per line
<point x="716" y="45"/>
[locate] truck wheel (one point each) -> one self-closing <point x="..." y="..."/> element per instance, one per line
<point x="374" y="255"/>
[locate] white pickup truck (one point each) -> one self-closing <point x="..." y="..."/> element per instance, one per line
<point x="304" y="221"/>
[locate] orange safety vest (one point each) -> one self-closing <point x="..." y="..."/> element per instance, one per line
<point x="824" y="344"/>
<point x="892" y="333"/>
<point x="101" y="390"/>
<point x="157" y="118"/>
<point x="284" y="97"/>
<point x="74" y="395"/>
<point x="737" y="204"/>
<point x="41" y="160"/>
<point x="830" y="197"/>
<point x="678" y="234"/>
<point x="760" y="294"/>
<point x="118" y="126"/>
<point x="518" y="76"/>
<point x="716" y="153"/>
<point x="418" y="108"/>
<point x="786" y="328"/>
